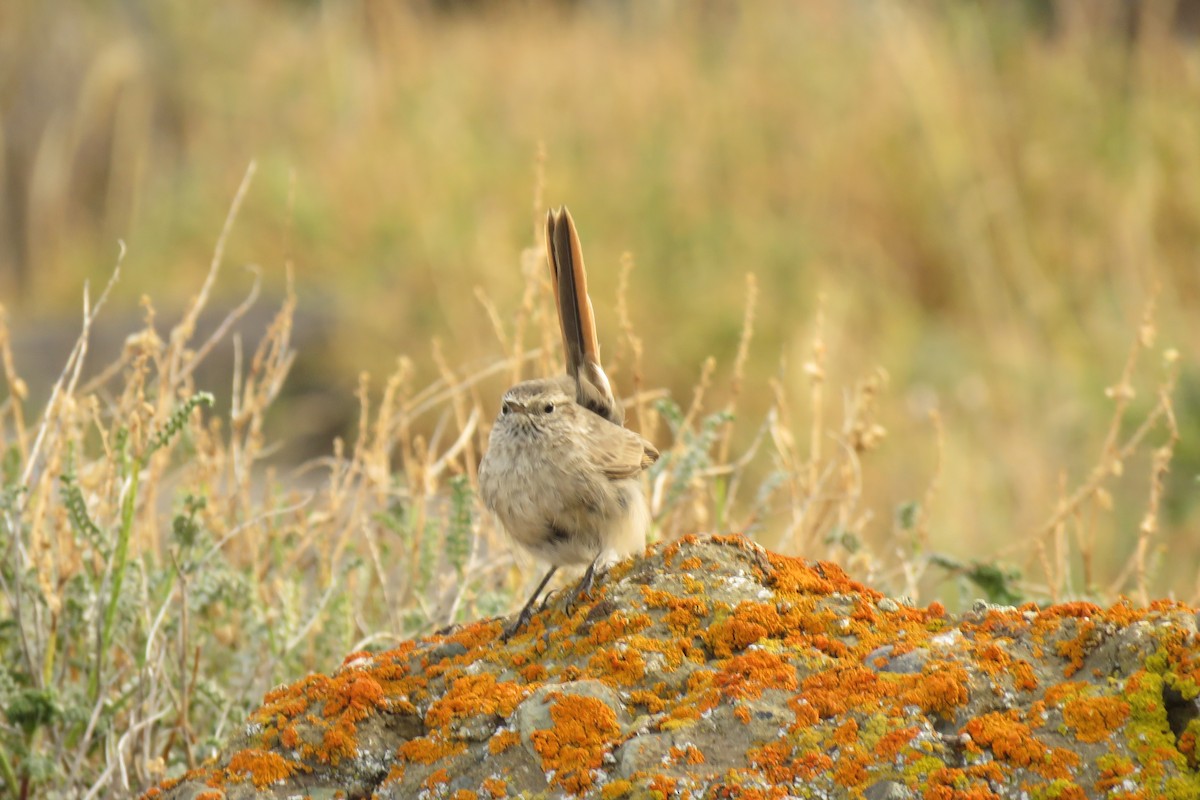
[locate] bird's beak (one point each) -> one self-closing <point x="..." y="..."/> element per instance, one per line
<point x="514" y="406"/>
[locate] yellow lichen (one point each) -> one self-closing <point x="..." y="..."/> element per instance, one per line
<point x="616" y="790"/>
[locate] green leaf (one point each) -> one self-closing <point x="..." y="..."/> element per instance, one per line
<point x="907" y="514"/>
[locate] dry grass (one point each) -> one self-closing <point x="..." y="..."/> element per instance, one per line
<point x="159" y="576"/>
<point x="948" y="260"/>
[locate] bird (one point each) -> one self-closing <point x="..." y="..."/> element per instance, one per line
<point x="561" y="470"/>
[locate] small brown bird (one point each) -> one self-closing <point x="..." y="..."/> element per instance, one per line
<point x="561" y="470"/>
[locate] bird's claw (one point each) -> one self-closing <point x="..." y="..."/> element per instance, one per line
<point x="584" y="586"/>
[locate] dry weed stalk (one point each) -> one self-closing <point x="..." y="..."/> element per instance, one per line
<point x="1050" y="539"/>
<point x="825" y="488"/>
<point x="631" y="342"/>
<point x="912" y="548"/>
<point x="145" y="541"/>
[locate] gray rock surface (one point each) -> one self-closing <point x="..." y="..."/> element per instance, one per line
<point x="711" y="668"/>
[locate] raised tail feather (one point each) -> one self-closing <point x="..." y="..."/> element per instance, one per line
<point x="575" y="317"/>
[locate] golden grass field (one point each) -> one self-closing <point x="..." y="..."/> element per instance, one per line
<point x="910" y="287"/>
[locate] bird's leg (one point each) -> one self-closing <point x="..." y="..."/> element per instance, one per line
<point x="585" y="583"/>
<point x="527" y="612"/>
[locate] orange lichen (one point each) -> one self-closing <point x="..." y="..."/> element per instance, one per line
<point x="686" y="713"/>
<point x="495" y="787"/>
<point x="734" y="635"/>
<point x="617" y="626"/>
<point x="534" y="673"/>
<point x="688" y="755"/>
<point x="502" y="741"/>
<point x="289" y="737"/>
<point x="261" y="767"/>
<point x="749" y="622"/>
<point x="846" y="733"/>
<point x="991" y="658"/>
<point x="357" y="655"/>
<point x="474" y="695"/>
<point x="663" y="786"/>
<point x="652" y="702"/>
<point x="428" y="749"/>
<point x="1076" y="610"/>
<point x="284" y="702"/>
<point x="1095" y="718"/>
<point x="673" y="651"/>
<point x="360" y="695"/>
<point x="850" y="768"/>
<point x="774" y="760"/>
<point x="584" y="730"/>
<point x="476" y="635"/>
<point x="811" y="641"/>
<point x="1063" y="789"/>
<point x="338" y="742"/>
<point x="778" y="763"/>
<point x="833" y="691"/>
<point x="1187" y="746"/>
<point x="807" y="715"/>
<point x="683" y="613"/>
<point x="1012" y="741"/>
<point x="892" y="742"/>
<point x="830" y="646"/>
<point x="1076" y="649"/>
<point x="624" y="666"/>
<point x="951" y="783"/>
<point x="793" y="575"/>
<point x="1023" y="676"/>
<point x="464" y="794"/>
<point x="343" y="699"/>
<point x="1113" y="772"/>
<point x="941" y="688"/>
<point x="1057" y="694"/>
<point x="749" y="674"/>
<point x="436" y="778"/>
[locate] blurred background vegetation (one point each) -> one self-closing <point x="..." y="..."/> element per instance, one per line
<point x="985" y="194"/>
<point x="961" y="219"/>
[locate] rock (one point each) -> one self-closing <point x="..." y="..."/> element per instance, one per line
<point x="711" y="668"/>
<point x="888" y="790"/>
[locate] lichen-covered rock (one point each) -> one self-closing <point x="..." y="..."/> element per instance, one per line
<point x="711" y="668"/>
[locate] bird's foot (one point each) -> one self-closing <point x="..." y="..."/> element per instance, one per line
<point x="520" y="622"/>
<point x="528" y="611"/>
<point x="584" y="586"/>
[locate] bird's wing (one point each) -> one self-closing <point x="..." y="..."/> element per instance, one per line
<point x="619" y="452"/>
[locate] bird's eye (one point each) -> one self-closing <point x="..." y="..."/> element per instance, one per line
<point x="504" y="408"/>
<point x="548" y="407"/>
